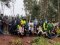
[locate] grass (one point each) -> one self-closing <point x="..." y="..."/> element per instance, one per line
<point x="43" y="41"/>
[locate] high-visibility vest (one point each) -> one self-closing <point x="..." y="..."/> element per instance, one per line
<point x="45" y="26"/>
<point x="23" y="22"/>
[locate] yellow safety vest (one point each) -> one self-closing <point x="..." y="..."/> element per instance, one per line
<point x="23" y="22"/>
<point x="44" y="27"/>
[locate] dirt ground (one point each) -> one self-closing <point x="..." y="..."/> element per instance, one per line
<point x="5" y="39"/>
<point x="57" y="39"/>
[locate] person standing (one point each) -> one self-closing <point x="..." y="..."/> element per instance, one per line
<point x="31" y="27"/>
<point x="1" y="24"/>
<point x="35" y="25"/>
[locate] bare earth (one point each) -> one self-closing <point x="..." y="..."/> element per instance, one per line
<point x="5" y="39"/>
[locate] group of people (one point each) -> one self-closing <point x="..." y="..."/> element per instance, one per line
<point x="25" y="27"/>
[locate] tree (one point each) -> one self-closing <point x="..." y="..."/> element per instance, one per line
<point x="32" y="8"/>
<point x="6" y="2"/>
<point x="53" y="10"/>
<point x="59" y="10"/>
<point x="49" y="9"/>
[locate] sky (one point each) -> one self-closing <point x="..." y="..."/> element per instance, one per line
<point x="18" y="8"/>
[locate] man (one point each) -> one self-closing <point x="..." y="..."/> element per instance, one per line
<point x="45" y="26"/>
<point x="35" y="25"/>
<point x="5" y="24"/>
<point x="1" y="24"/>
<point x="49" y="29"/>
<point x="31" y="27"/>
<point x="13" y="26"/>
<point x="58" y="29"/>
<point x="1" y="31"/>
<point x="20" y="31"/>
<point x="23" y="23"/>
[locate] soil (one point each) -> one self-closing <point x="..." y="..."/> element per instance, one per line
<point x="27" y="40"/>
<point x="57" y="39"/>
<point x="5" y="39"/>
